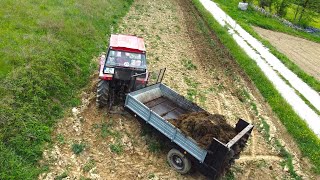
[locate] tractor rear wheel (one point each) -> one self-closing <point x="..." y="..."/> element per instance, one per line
<point x="178" y="161"/>
<point x="102" y="93"/>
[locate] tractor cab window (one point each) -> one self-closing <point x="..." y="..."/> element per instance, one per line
<point x="126" y="59"/>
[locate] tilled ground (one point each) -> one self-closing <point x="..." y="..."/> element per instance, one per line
<point x="302" y="52"/>
<point x="198" y="67"/>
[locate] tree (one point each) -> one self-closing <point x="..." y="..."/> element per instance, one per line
<point x="281" y="7"/>
<point x="263" y="3"/>
<point x="306" y="11"/>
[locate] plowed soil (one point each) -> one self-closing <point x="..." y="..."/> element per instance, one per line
<point x="302" y="52"/>
<point x="203" y="127"/>
<point x="198" y="67"/>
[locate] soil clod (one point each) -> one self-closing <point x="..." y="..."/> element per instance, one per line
<point x="203" y="127"/>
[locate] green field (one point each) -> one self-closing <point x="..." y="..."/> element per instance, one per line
<point x="307" y="141"/>
<point x="46" y="52"/>
<point x="252" y="17"/>
<point x="54" y="30"/>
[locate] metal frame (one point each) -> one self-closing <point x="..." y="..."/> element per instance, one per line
<point x="159" y="77"/>
<point x="162" y="125"/>
<point x="211" y="160"/>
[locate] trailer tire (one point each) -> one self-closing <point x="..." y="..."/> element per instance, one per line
<point x="102" y="93"/>
<point x="178" y="161"/>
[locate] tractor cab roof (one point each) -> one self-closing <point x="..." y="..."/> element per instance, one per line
<point x="128" y="43"/>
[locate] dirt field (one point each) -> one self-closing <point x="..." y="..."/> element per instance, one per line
<point x="302" y="52"/>
<point x="116" y="147"/>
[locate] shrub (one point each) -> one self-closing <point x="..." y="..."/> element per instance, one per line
<point x="78" y="148"/>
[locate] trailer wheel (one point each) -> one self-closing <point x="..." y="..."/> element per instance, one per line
<point x="102" y="93"/>
<point x="178" y="161"/>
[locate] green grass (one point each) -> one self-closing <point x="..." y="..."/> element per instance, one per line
<point x="154" y="145"/>
<point x="89" y="165"/>
<point x="60" y="139"/>
<point x="116" y="148"/>
<point x="187" y="63"/>
<point x="290" y="16"/>
<point x="154" y="142"/>
<point x="13" y="166"/>
<point x="251" y="17"/>
<point x="151" y="176"/>
<point x="281" y="149"/>
<point x="106" y="128"/>
<point x="47" y="48"/>
<point x="307" y="141"/>
<point x="77" y="148"/>
<point x="229" y="176"/>
<point x="61" y="176"/>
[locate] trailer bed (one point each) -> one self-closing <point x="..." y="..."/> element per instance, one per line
<point x="157" y="103"/>
<point x="165" y="108"/>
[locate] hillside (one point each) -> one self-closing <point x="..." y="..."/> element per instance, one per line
<point x="46" y="52"/>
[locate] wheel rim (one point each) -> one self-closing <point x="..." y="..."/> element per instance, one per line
<point x="177" y="162"/>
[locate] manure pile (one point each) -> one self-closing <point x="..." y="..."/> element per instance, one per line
<point x="203" y="127"/>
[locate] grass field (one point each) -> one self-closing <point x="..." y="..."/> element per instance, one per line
<point x="251" y="17"/>
<point x="307" y="141"/>
<point x="46" y="52"/>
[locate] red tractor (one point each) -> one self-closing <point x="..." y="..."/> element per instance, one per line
<point x="122" y="70"/>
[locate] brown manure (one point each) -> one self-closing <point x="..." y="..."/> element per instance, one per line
<point x="203" y="127"/>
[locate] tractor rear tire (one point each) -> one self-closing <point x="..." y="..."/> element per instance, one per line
<point x="102" y="93"/>
<point x="178" y="161"/>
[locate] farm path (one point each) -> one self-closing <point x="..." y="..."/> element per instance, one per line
<point x="117" y="146"/>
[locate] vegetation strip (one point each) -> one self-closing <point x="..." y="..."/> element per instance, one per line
<point x="252" y="17"/>
<point x="50" y="45"/>
<point x="247" y="18"/>
<point x="300" y="12"/>
<point x="307" y="141"/>
<point x="288" y="93"/>
<point x="249" y="43"/>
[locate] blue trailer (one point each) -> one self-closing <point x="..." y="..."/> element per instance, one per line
<point x="157" y="103"/>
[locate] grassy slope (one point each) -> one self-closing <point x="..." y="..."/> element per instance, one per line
<point x="307" y="141"/>
<point x="290" y="14"/>
<point x="46" y="51"/>
<point x="250" y="17"/>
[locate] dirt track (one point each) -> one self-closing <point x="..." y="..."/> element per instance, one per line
<point x="176" y="38"/>
<point x="302" y="52"/>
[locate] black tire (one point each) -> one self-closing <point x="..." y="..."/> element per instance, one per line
<point x="102" y="93"/>
<point x="178" y="161"/>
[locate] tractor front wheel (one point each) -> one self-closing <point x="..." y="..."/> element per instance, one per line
<point x="102" y="93"/>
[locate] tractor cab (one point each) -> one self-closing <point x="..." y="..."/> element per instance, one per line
<point x="126" y="56"/>
<point x="123" y="69"/>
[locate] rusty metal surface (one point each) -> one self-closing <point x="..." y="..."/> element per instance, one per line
<point x="165" y="108"/>
<point x="154" y="102"/>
